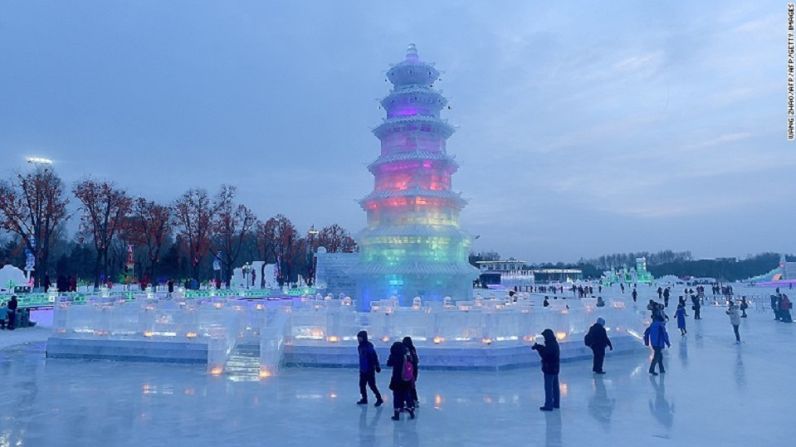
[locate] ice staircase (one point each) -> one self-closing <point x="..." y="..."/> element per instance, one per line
<point x="243" y="363"/>
<point x="272" y="343"/>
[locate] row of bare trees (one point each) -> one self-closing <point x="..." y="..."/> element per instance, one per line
<point x="35" y="206"/>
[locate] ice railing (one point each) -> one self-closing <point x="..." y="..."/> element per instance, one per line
<point x="486" y="321"/>
<point x="219" y="323"/>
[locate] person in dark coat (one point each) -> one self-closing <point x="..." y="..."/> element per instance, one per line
<point x="744" y="306"/>
<point x="597" y="339"/>
<point x="368" y="367"/>
<point x="696" y="306"/>
<point x="401" y="388"/>
<point x="550" y="354"/>
<point x="410" y="347"/>
<point x="784" y="309"/>
<point x="657" y="337"/>
<point x="775" y="306"/>
<point x="12" y="312"/>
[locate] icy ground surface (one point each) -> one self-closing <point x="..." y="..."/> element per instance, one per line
<point x="714" y="393"/>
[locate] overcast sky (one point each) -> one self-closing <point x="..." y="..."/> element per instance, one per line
<point x="583" y="129"/>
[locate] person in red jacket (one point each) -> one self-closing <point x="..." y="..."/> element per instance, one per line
<point x="784" y="309"/>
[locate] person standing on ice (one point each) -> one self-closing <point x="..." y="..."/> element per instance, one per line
<point x="696" y="306"/>
<point x="550" y="354"/>
<point x="368" y="367"/>
<point x="656" y="337"/>
<point x="735" y="319"/>
<point x="410" y="347"/>
<point x="784" y="309"/>
<point x="680" y="315"/>
<point x="597" y="339"/>
<point x="635" y="294"/>
<point x="775" y="306"/>
<point x="401" y="380"/>
<point x="744" y="306"/>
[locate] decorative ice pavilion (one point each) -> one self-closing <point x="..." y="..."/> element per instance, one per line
<point x="412" y="245"/>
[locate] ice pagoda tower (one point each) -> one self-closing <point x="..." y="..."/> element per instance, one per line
<point x="412" y="245"/>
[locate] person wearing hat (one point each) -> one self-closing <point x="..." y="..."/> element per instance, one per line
<point x="597" y="339"/>
<point x="368" y="367"/>
<point x="551" y="358"/>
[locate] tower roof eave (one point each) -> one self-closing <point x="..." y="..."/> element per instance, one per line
<point x="413" y="155"/>
<point x="442" y="126"/>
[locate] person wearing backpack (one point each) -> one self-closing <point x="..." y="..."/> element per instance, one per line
<point x="597" y="339"/>
<point x="657" y="337"/>
<point x="368" y="367"/>
<point x="410" y="347"/>
<point x="401" y="380"/>
<point x="550" y="354"/>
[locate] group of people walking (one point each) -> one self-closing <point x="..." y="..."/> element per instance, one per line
<point x="781" y="305"/>
<point x="404" y="363"/>
<point x="404" y="360"/>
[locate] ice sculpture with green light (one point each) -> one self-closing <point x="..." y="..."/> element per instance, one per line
<point x="412" y="245"/>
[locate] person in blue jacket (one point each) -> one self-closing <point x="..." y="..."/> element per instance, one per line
<point x="680" y="315"/>
<point x="368" y="367"/>
<point x="550" y="354"/>
<point x="657" y="337"/>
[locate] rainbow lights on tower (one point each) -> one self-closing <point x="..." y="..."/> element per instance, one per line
<point x="412" y="245"/>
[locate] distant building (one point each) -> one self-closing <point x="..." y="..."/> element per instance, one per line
<point x="513" y="272"/>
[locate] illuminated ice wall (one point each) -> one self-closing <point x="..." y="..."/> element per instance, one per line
<point x="412" y="245"/>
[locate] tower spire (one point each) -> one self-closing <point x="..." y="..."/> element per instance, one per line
<point x="411" y="53"/>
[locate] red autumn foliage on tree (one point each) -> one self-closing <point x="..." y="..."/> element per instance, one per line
<point x="335" y="238"/>
<point x="33" y="206"/>
<point x="193" y="214"/>
<point x="150" y="225"/>
<point x="104" y="212"/>
<point x="231" y="223"/>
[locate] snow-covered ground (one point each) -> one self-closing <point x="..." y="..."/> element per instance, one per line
<point x="714" y="393"/>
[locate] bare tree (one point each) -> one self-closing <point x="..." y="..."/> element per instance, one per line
<point x="193" y="214"/>
<point x="286" y="238"/>
<point x="104" y="212"/>
<point x="150" y="226"/>
<point x="265" y="234"/>
<point x="336" y="239"/>
<point x="231" y="224"/>
<point x="33" y="206"/>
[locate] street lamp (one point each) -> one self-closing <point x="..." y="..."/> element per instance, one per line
<point x="39" y="161"/>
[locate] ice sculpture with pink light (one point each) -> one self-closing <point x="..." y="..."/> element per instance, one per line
<point x="412" y="245"/>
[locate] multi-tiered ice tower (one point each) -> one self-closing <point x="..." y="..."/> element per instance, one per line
<point x="412" y="245"/>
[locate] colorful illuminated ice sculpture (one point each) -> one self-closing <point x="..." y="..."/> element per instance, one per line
<point x="412" y="245"/>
